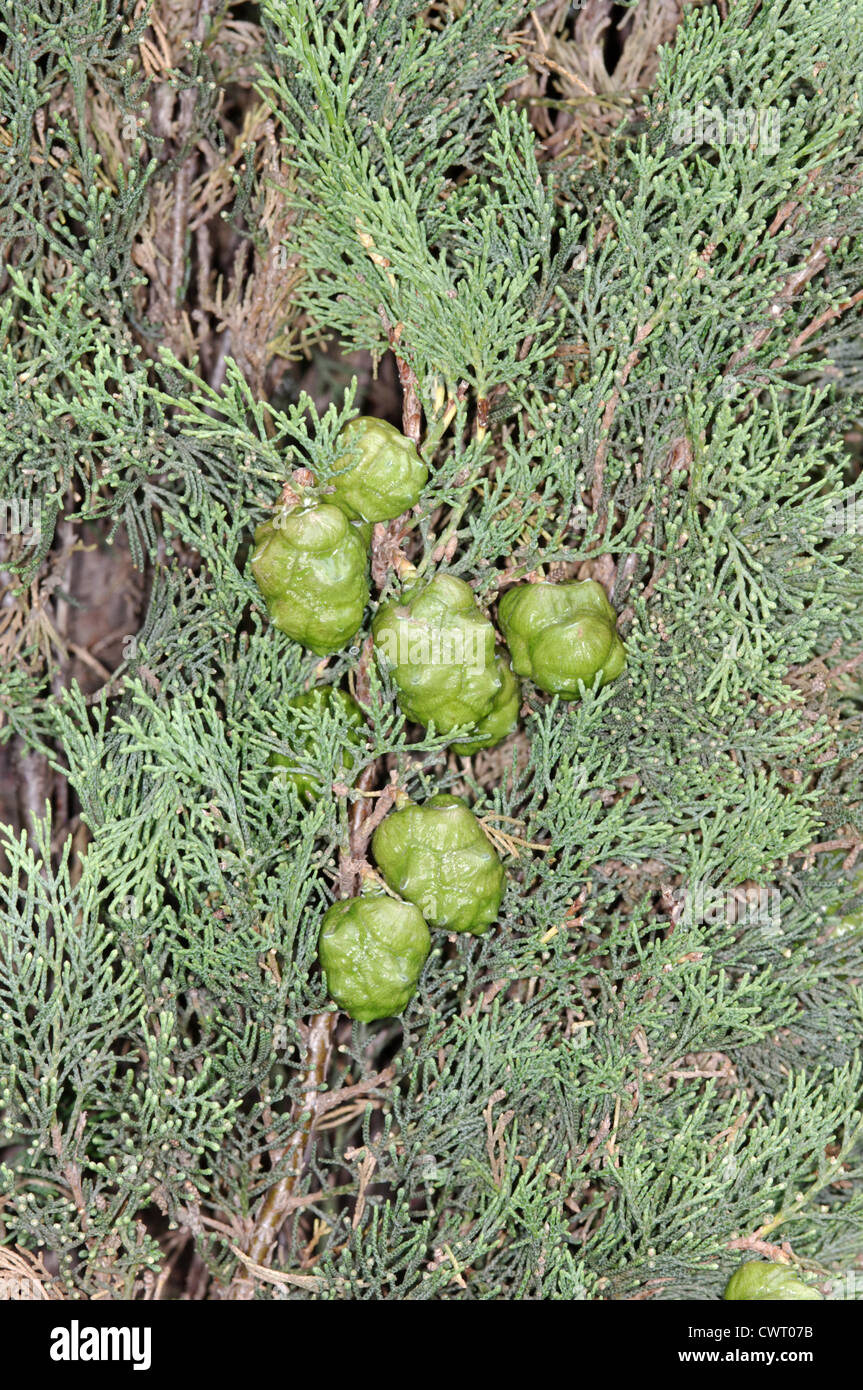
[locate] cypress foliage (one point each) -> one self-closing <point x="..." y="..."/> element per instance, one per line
<point x="618" y="310"/>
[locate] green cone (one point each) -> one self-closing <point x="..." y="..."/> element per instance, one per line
<point x="311" y="565"/>
<point x="382" y="475"/>
<point x="560" y="634"/>
<point x="437" y="856"/>
<point x="372" y="951"/>
<point x="441" y="649"/>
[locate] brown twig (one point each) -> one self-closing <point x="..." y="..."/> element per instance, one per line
<point x="277" y="1202"/>
<point x="611" y="407"/>
<point x="329" y="1102"/>
<point x="781" y="1253"/>
<point x="277" y="1276"/>
<point x="280" y="1199"/>
<point x="411" y="410"/>
<point x="817" y="323"/>
<point x="366" y="1169"/>
<point x="364" y="815"/>
<point x="815" y="262"/>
